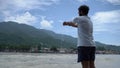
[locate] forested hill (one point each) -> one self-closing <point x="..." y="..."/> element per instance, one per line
<point x="12" y="33"/>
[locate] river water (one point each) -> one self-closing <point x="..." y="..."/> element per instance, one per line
<point x="42" y="60"/>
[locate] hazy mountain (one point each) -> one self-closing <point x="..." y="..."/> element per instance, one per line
<point x="12" y="33"/>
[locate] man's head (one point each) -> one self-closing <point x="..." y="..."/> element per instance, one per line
<point x="83" y="10"/>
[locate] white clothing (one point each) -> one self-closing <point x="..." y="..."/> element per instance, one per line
<point x="85" y="31"/>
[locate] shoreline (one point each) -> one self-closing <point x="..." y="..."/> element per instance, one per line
<point x="45" y="53"/>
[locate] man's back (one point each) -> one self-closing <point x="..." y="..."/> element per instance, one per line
<point x="85" y="30"/>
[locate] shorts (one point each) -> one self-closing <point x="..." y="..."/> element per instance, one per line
<point x="86" y="53"/>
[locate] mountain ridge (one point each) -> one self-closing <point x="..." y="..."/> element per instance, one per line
<point x="12" y="33"/>
<point x="24" y="31"/>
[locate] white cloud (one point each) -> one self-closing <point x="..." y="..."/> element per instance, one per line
<point x="82" y="0"/>
<point x="114" y="2"/>
<point x="102" y="20"/>
<point x="13" y="9"/>
<point x="26" y="18"/>
<point x="25" y="4"/>
<point x="107" y="17"/>
<point x="45" y="23"/>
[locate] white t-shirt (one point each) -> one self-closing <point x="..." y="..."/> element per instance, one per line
<point x="85" y="31"/>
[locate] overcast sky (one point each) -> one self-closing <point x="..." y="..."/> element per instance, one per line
<point x="50" y="14"/>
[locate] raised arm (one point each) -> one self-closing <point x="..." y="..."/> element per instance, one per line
<point x="70" y="24"/>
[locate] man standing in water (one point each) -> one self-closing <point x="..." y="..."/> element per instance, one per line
<point x="86" y="46"/>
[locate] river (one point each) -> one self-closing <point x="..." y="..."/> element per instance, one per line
<point x="43" y="60"/>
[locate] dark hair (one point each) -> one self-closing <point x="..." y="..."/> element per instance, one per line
<point x="84" y="9"/>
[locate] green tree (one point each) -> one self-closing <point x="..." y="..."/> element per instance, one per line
<point x="54" y="49"/>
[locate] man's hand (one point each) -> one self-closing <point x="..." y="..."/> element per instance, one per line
<point x="65" y="23"/>
<point x="70" y="24"/>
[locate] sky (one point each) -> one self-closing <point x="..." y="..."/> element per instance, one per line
<point x="50" y="14"/>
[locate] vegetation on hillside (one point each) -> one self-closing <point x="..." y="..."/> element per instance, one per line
<point x="22" y="37"/>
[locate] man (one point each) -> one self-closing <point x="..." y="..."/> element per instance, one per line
<point x="86" y="46"/>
